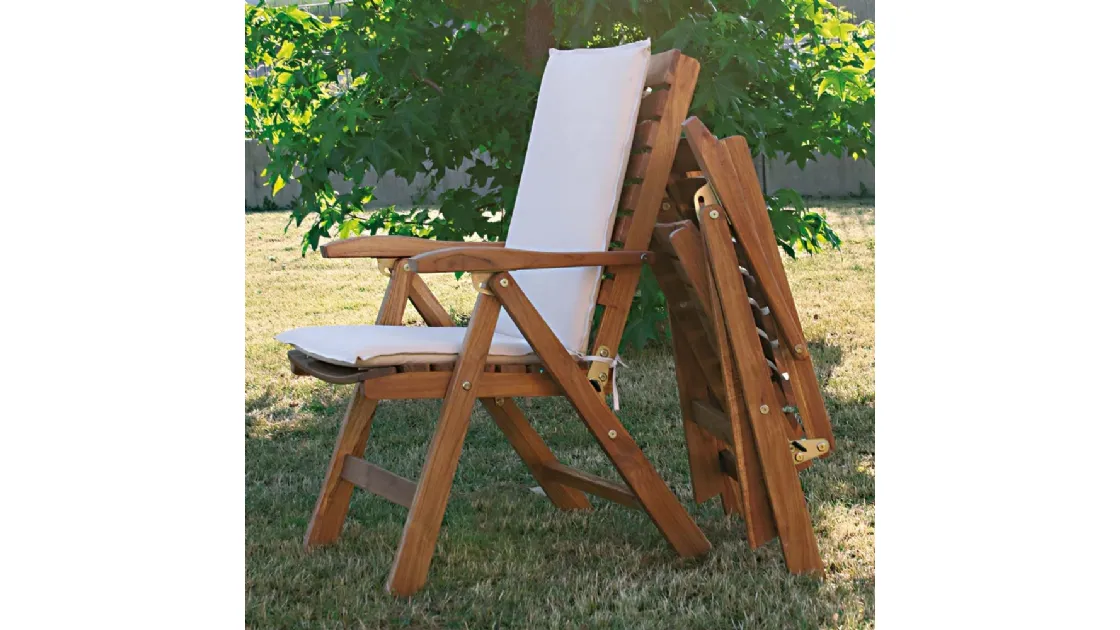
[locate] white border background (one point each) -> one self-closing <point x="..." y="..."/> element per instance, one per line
<point x="123" y="389"/>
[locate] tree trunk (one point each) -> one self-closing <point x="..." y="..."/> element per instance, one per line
<point x="539" y="22"/>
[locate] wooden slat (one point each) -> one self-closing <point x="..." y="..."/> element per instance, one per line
<point x="622" y="228"/>
<point x="396" y="294"/>
<point x="604" y="291"/>
<point x="629" y="198"/>
<point x="639" y="162"/>
<point x="653" y="105"/>
<point x="499" y="259"/>
<point x="390" y="246"/>
<point x="420" y="385"/>
<point x="644" y="134"/>
<point x="662" y="68"/>
<point x="713" y="420"/>
<point x="654" y="496"/>
<point x="791" y="515"/>
<point x="377" y="480"/>
<point x="592" y="484"/>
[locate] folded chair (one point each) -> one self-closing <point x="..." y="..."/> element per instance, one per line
<point x="753" y="412"/>
<point x="603" y="140"/>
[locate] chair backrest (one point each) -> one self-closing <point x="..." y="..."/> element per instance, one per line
<point x="594" y="134"/>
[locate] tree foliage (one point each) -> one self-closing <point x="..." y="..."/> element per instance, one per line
<point x="420" y="87"/>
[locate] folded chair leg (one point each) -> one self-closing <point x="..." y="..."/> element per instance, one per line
<point x="650" y="489"/>
<point x="534" y="452"/>
<point x="334" y="497"/>
<point x="418" y="542"/>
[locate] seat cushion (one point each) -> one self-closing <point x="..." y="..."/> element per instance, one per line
<point x="578" y="152"/>
<point x="376" y="346"/>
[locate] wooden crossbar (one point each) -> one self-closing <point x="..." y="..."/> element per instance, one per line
<point x="592" y="484"/>
<point x="377" y="480"/>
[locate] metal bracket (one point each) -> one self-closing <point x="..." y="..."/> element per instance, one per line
<point x="703" y="198"/>
<point x="598" y="375"/>
<point x="805" y="449"/>
<point x="385" y="265"/>
<point x="481" y="282"/>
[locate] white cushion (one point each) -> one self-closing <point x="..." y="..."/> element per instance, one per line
<point x="578" y="152"/>
<point x="373" y="346"/>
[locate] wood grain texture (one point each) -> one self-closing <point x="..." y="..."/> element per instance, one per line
<point x="803" y="377"/>
<point x="501" y="259"/>
<point x="390" y="246"/>
<point x="703" y="450"/>
<point x="418" y="542"/>
<point x="428" y="385"/>
<point x="655" y="497"/>
<point x="750" y="373"/>
<point x="716" y="162"/>
<point x="534" y="452"/>
<point x="431" y="311"/>
<point x="754" y="501"/>
<point x="377" y="480"/>
<point x="396" y="294"/>
<point x="681" y="72"/>
<point x="334" y="497"/>
<point x="592" y="484"/>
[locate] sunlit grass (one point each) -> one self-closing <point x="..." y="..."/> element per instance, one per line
<point x="506" y="557"/>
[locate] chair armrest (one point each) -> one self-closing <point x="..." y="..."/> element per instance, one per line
<point x="391" y="246"/>
<point x="493" y="259"/>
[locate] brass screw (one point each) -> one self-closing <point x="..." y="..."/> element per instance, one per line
<point x="665" y="206"/>
<point x="764" y="409"/>
<point x="822" y="447"/>
<point x="798" y="457"/>
<point x="602" y="377"/>
<point x="466" y="385"/>
<point x="612" y="434"/>
<point x="504" y="282"/>
<point x="799" y="349"/>
<point x="500" y="401"/>
<point x="405" y="267"/>
<point x="713" y="214"/>
<point x="603" y="352"/>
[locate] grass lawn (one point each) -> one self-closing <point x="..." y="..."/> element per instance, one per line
<point x="506" y="557"/>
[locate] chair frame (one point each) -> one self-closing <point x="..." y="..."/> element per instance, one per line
<point x="719" y="267"/>
<point x="672" y="76"/>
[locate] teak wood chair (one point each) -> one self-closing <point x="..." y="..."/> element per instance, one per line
<point x="752" y="409"/>
<point x="540" y="350"/>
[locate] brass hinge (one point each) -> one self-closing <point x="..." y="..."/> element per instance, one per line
<point x="385" y="265"/>
<point x="805" y="449"/>
<point x="598" y="374"/>
<point x="481" y="282"/>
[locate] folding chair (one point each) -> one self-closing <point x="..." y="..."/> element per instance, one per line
<point x="604" y="135"/>
<point x="753" y="412"/>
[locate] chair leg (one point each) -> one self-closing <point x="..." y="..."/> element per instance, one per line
<point x="418" y="542"/>
<point x="334" y="497"/>
<point x="534" y="452"/>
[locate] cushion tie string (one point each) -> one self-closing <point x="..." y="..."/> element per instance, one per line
<point x="613" y="365"/>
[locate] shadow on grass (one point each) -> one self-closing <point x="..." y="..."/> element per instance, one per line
<point x="497" y="537"/>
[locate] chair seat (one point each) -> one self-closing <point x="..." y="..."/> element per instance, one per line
<point x="379" y="346"/>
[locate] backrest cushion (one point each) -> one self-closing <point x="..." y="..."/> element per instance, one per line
<point x="578" y="152"/>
